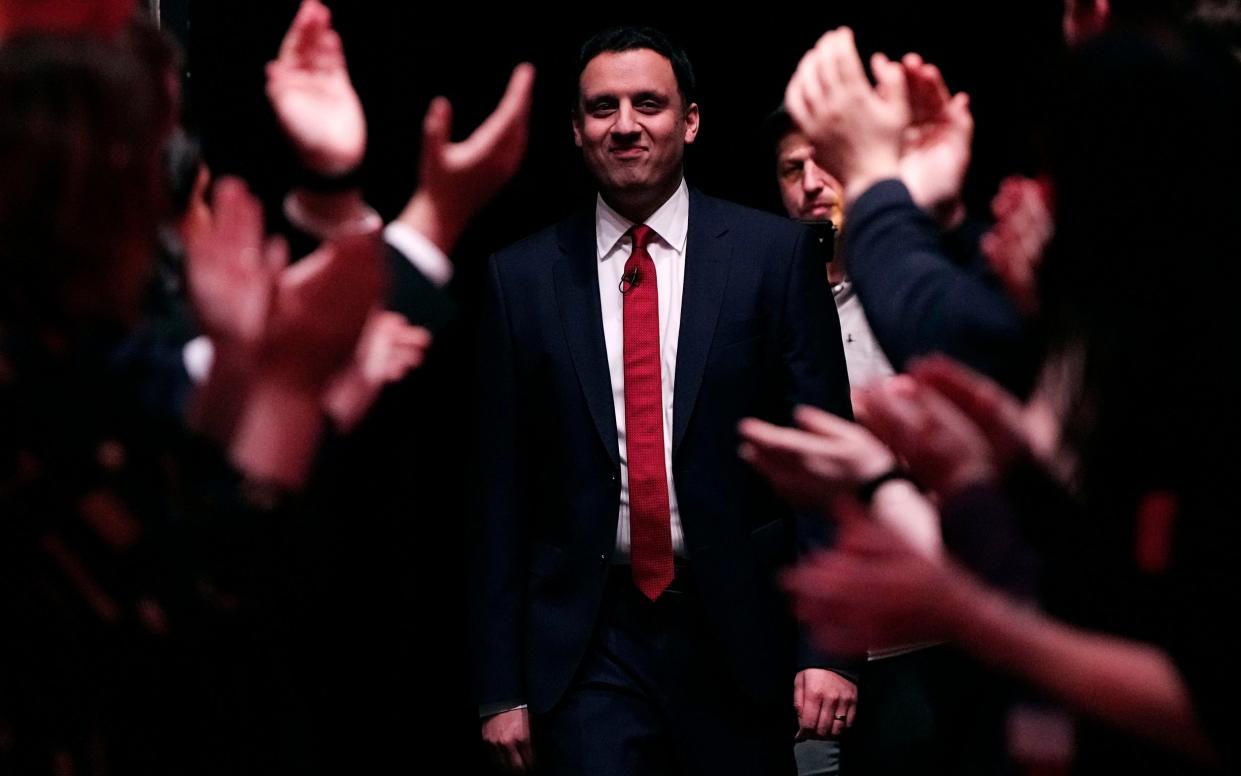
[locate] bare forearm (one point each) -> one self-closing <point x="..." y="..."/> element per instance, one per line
<point x="1131" y="685"/>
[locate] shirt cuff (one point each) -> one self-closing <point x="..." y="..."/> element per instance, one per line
<point x="499" y="707"/>
<point x="198" y="355"/>
<point x="426" y="257"/>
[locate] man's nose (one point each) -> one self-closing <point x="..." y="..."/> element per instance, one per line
<point x="811" y="177"/>
<point x="626" y="120"/>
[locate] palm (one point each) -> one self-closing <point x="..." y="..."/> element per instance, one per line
<point x="321" y="114"/>
<point x="309" y="88"/>
<point x="231" y="268"/>
<point x="478" y="166"/>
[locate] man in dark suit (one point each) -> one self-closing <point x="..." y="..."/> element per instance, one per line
<point x="627" y="558"/>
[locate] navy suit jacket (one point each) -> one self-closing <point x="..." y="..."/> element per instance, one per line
<point x="759" y="335"/>
<point x="925" y="292"/>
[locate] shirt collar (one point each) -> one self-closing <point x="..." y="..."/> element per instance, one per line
<point x="670" y="223"/>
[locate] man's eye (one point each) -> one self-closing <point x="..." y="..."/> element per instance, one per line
<point x="602" y="109"/>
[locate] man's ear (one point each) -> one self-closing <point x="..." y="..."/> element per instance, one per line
<point x="691" y="123"/>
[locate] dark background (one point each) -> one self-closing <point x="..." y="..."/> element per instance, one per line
<point x="399" y="59"/>
<point x="1001" y="53"/>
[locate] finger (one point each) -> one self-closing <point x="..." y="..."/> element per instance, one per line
<point x="516" y="763"/>
<point x="941" y="410"/>
<point x="806" y="704"/>
<point x="821" y="422"/>
<point x="436" y="130"/>
<point x="892" y="419"/>
<point x="847" y="62"/>
<point x="276" y="255"/>
<point x="806" y="96"/>
<point x="780" y="439"/>
<point x="327" y="53"/>
<point x="822" y="66"/>
<point x="979" y="397"/>
<point x="959" y="110"/>
<point x="850" y="712"/>
<point x="824" y="724"/>
<point x="525" y="748"/>
<point x="934" y="79"/>
<point x="311" y="17"/>
<point x="238" y="218"/>
<point x="412" y="336"/>
<point x="890" y="82"/>
<point x="828" y="724"/>
<point x="920" y="93"/>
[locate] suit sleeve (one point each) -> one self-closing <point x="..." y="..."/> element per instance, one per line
<point x="814" y="360"/>
<point x="919" y="300"/>
<point x="500" y="542"/>
<point x="419" y="298"/>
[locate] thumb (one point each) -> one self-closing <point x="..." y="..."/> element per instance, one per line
<point x="436" y="129"/>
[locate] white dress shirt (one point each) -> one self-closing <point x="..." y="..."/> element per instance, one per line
<point x="671" y="226"/>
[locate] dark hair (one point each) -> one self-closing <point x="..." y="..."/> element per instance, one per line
<point x="777" y="124"/>
<point x="80" y="137"/>
<point x="629" y="38"/>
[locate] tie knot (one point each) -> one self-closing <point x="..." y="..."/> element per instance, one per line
<point x="642" y="236"/>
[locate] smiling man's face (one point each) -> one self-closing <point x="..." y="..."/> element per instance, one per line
<point x="632" y="126"/>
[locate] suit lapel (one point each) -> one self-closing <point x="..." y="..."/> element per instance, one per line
<point x="577" y="292"/>
<point x="708" y="253"/>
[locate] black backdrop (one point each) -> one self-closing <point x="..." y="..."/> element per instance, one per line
<point x="1002" y="53"/>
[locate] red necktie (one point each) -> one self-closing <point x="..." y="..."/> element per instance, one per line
<point x="650" y="524"/>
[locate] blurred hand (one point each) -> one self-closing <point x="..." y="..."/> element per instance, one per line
<point x="389" y="348"/>
<point x="232" y="269"/>
<point x="1014" y="246"/>
<point x="1013" y="430"/>
<point x="309" y="89"/>
<point x="856" y="129"/>
<point x="935" y="146"/>
<point x="320" y="305"/>
<point x="874" y="590"/>
<point x="943" y="448"/>
<point x="811" y="465"/>
<point x="455" y="180"/>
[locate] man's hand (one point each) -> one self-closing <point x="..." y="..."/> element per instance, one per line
<point x="309" y="88"/>
<point x="856" y="129"/>
<point x="320" y="306"/>
<point x="943" y="447"/>
<point x="232" y="269"/>
<point x="1014" y="246"/>
<point x="389" y="348"/>
<point x="507" y="735"/>
<point x="825" y="701"/>
<point x="875" y="590"/>
<point x="455" y="180"/>
<point x="809" y="466"/>
<point x="935" y="147"/>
